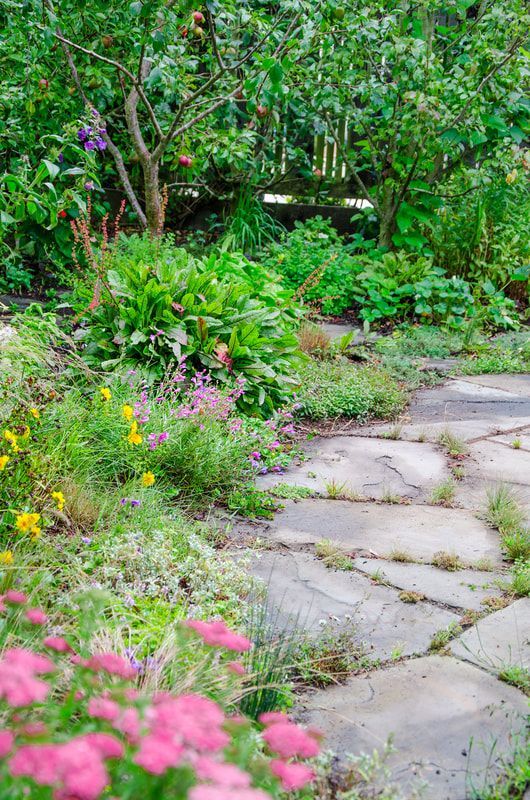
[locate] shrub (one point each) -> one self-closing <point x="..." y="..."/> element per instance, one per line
<point x="338" y="388"/>
<point x="152" y="307"/>
<point x="81" y="722"/>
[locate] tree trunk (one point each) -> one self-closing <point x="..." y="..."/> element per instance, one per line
<point x="153" y="201"/>
<point x="387" y="218"/>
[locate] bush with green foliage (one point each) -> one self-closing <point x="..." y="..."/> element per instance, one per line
<point x="339" y="388"/>
<point x="152" y="308"/>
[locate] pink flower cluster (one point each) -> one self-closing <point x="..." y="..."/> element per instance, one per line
<point x="159" y="734"/>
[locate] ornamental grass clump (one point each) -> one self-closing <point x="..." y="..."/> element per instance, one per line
<point x="77" y="723"/>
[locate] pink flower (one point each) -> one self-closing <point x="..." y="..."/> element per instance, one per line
<point x="288" y="740"/>
<point x="105" y="744"/>
<point x="216" y="792"/>
<point x="6" y="742"/>
<point x="221" y="773"/>
<point x="18" y="684"/>
<point x="157" y="754"/>
<point x="18" y="598"/>
<point x="57" y="643"/>
<point x="236" y="667"/>
<point x="128" y="723"/>
<point x="268" y="717"/>
<point x="27" y="661"/>
<point x="36" y="616"/>
<point x="103" y="708"/>
<point x="216" y="634"/>
<point x="194" y="719"/>
<point x="112" y="664"/>
<point x="293" y="776"/>
<point x="37" y="761"/>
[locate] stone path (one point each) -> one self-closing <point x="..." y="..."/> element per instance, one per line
<point x="452" y="720"/>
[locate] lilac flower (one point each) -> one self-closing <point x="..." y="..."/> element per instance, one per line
<point x="124" y="501"/>
<point x="82" y="134"/>
<point x="101" y="144"/>
<point x="255" y="455"/>
<point x="89" y="185"/>
<point x="95" y="112"/>
<point x="86" y="539"/>
<point x="135" y="503"/>
<point x="60" y="158"/>
<point x="89" y="145"/>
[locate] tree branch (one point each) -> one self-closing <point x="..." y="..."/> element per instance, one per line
<point x="360" y="183"/>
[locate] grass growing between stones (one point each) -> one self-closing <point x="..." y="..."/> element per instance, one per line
<point x="332" y="658"/>
<point x="332" y="556"/>
<point x="512" y="783"/>
<point x="516" y="676"/>
<point x="444" y="494"/>
<point x="402" y="556"/>
<point x="448" y="561"/>
<point x="452" y="443"/>
<point x="441" y="638"/>
<point x="504" y="513"/>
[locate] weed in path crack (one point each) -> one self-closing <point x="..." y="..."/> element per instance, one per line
<point x="411" y="597"/>
<point x="444" y="493"/>
<point x="516" y="676"/>
<point x="441" y="638"/>
<point x="449" y="561"/>
<point x="453" y="445"/>
<point x="332" y="556"/>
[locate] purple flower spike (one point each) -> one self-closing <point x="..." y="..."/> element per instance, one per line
<point x="89" y="186"/>
<point x="60" y="158"/>
<point x="89" y="145"/>
<point x="81" y="134"/>
<point x="101" y="144"/>
<point x="135" y="503"/>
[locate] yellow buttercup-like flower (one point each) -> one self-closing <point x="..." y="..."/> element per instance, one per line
<point x="27" y="523"/>
<point x="134" y="437"/>
<point x="105" y="393"/>
<point x="128" y="412"/>
<point x="35" y="533"/>
<point x="148" y="479"/>
<point x="35" y="412"/>
<point x="59" y="499"/>
<point x="3" y="462"/>
<point x="12" y="439"/>
<point x="6" y="557"/>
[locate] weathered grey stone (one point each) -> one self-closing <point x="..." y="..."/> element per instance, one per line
<point x="335" y="330"/>
<point x="371" y="467"/>
<point x="500" y="639"/>
<point x="462" y="589"/>
<point x="523" y="437"/>
<point x="495" y="462"/>
<point x="450" y="723"/>
<point x="379" y="528"/>
<point x="467" y="430"/>
<point x="305" y="591"/>
<point x="515" y="384"/>
<point x="440" y="365"/>
<point x="460" y="399"/>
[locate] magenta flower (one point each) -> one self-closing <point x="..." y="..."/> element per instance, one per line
<point x="216" y="634"/>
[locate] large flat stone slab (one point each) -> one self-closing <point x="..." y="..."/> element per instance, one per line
<point x="494" y="462"/>
<point x="304" y="591"/>
<point x="500" y="639"/>
<point x="462" y="589"/>
<point x="467" y="430"/>
<point x="367" y="466"/>
<point x="459" y="399"/>
<point x="381" y="528"/>
<point x="450" y="722"/>
<point x="514" y="384"/>
<point x="336" y="330"/>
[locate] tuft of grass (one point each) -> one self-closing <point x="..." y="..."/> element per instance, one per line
<point x="335" y="490"/>
<point x="452" y="443"/>
<point x="449" y="561"/>
<point x="411" y="597"/>
<point x="391" y="497"/>
<point x="520" y="583"/>
<point x="517" y="545"/>
<point x="494" y="603"/>
<point x="402" y="556"/>
<point x="516" y="444"/>
<point x="484" y="565"/>
<point x="441" y="638"/>
<point x="380" y="578"/>
<point x="331" y="658"/>
<point x="332" y="556"/>
<point x="313" y="340"/>
<point x="516" y="676"/>
<point x="512" y="783"/>
<point x="393" y="433"/>
<point x="458" y="472"/>
<point x="503" y="511"/>
<point x="444" y="494"/>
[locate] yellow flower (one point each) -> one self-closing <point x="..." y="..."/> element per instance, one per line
<point x="26" y="433"/>
<point x="6" y="557"/>
<point x="35" y="533"/>
<point x="35" y="412"/>
<point x="12" y="438"/>
<point x="128" y="412"/>
<point x="511" y="177"/>
<point x="134" y="437"/>
<point x="3" y="462"/>
<point x="105" y="393"/>
<point x="59" y="499"/>
<point x="27" y="523"/>
<point x="148" y="479"/>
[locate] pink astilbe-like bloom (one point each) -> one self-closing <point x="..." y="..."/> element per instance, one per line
<point x="103" y="708"/>
<point x="158" y="753"/>
<point x="289" y="741"/>
<point x="217" y="792"/>
<point x="57" y="643"/>
<point x="216" y="634"/>
<point x="36" y="616"/>
<point x="37" y="761"/>
<point x="18" y="684"/>
<point x="17" y="598"/>
<point x="236" y="667"/>
<point x="128" y="723"/>
<point x="6" y="742"/>
<point x="112" y="664"/>
<point x="292" y="775"/>
<point x="105" y="744"/>
<point x="193" y="719"/>
<point x="269" y="717"/>
<point x="222" y="774"/>
<point x="28" y="661"/>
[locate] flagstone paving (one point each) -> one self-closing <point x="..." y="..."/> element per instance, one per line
<point x="452" y="720"/>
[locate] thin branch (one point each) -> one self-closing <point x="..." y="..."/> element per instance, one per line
<point x="211" y="28"/>
<point x="360" y="183"/>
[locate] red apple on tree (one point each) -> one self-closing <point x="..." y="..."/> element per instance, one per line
<point x="198" y="17"/>
<point x="262" y="111"/>
<point x="185" y="161"/>
<point x="43" y="84"/>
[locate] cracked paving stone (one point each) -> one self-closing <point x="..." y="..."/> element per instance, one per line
<point x="498" y="640"/>
<point x="463" y="588"/>
<point x="378" y="529"/>
<point x="451" y="723"/>
<point x="302" y="591"/>
<point x="367" y="466"/>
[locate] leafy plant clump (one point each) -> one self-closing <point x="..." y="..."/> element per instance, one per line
<point x="153" y="307"/>
<point x="340" y="388"/>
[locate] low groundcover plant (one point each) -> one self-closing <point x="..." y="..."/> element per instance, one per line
<point x="77" y="726"/>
